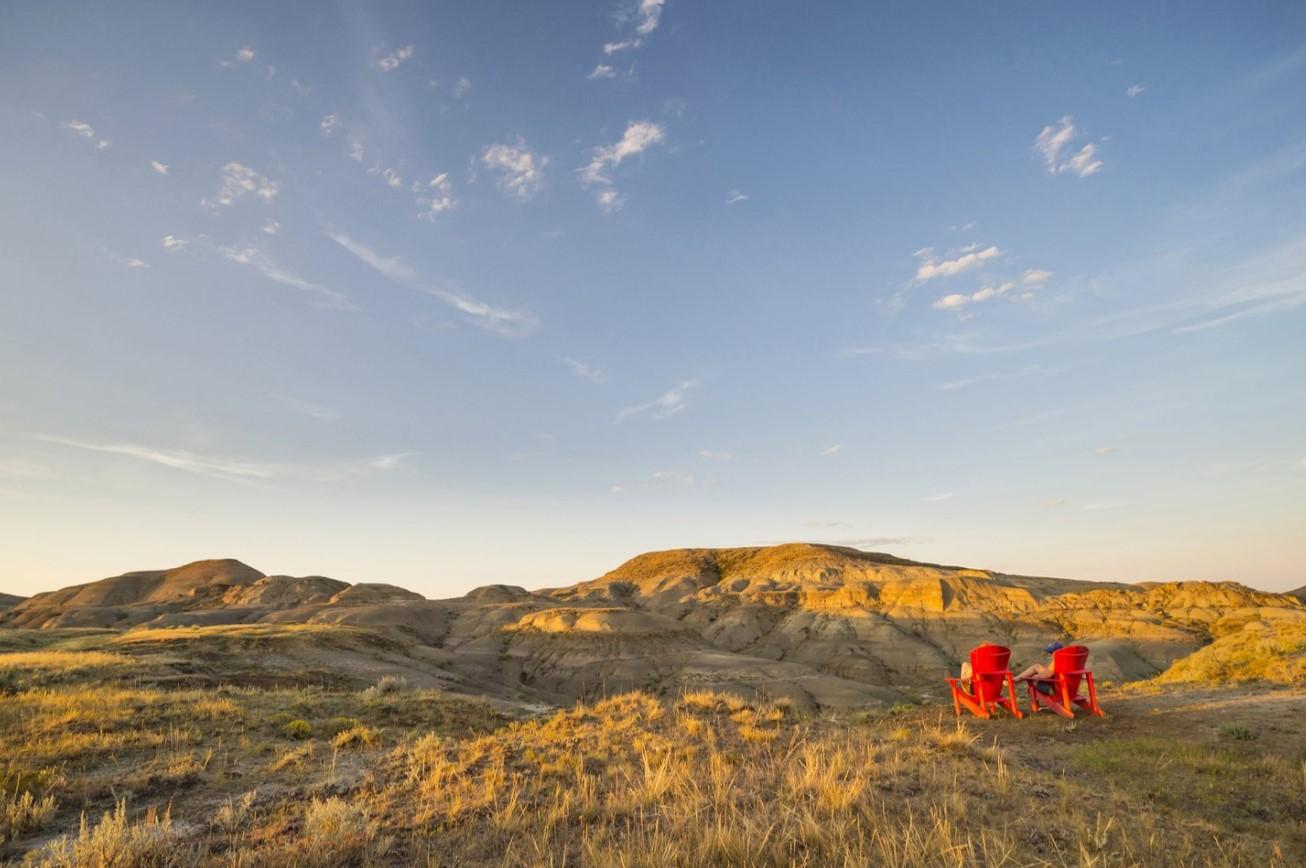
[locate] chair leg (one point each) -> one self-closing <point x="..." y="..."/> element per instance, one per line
<point x="1092" y="697"/>
<point x="1069" y="706"/>
<point x="1012" y="705"/>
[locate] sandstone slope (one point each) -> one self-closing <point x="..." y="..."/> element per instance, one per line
<point x="817" y="624"/>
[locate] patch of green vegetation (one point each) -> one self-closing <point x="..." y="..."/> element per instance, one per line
<point x="1229" y="784"/>
<point x="298" y="729"/>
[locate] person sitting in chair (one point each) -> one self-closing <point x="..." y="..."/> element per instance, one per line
<point x="966" y="671"/>
<point x="1042" y="673"/>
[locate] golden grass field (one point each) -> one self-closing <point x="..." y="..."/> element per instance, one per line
<point x="105" y="761"/>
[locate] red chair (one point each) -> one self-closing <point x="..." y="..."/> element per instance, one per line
<point x="988" y="676"/>
<point x="1068" y="674"/>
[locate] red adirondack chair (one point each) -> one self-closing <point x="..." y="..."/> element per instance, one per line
<point x="988" y="677"/>
<point x="1068" y="675"/>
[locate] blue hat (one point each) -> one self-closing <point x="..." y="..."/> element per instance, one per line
<point x="1053" y="646"/>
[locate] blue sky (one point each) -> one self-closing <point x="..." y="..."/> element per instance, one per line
<point x="456" y="293"/>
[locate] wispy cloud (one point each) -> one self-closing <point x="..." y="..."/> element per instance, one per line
<point x="391" y="61"/>
<point x="1105" y="450"/>
<point x="602" y="70"/>
<point x="1035" y="277"/>
<point x="967" y="382"/>
<point x="172" y="242"/>
<point x="937" y="498"/>
<point x="230" y="469"/>
<point x="1053" y="141"/>
<point x="959" y="300"/>
<point x="1135" y="90"/>
<point x="190" y="462"/>
<point x="831" y="451"/>
<point x="237" y="181"/>
<point x="462" y="87"/>
<point x="506" y="323"/>
<point x="715" y="455"/>
<point x="669" y="403"/>
<point x="86" y="131"/>
<point x="436" y="198"/>
<point x="648" y="14"/>
<point x="734" y="197"/>
<point x="263" y="264"/>
<point x="933" y="267"/>
<point x="329" y="125"/>
<point x="586" y="372"/>
<point x="161" y="168"/>
<point x="520" y="170"/>
<point x="639" y="137"/>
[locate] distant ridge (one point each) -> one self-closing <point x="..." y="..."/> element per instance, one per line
<point x="819" y="624"/>
<point x="8" y="601"/>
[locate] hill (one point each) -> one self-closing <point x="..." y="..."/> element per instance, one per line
<point x="811" y="624"/>
<point x="8" y="601"/>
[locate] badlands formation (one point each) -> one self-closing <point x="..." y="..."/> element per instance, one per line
<point x="816" y="624"/>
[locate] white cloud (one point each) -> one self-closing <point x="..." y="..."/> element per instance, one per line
<point x="462" y="87"/>
<point x="673" y="476"/>
<point x="239" y="181"/>
<point x="1054" y="139"/>
<point x="86" y="131"/>
<point x="520" y="170"/>
<point x="967" y="382"/>
<point x="611" y="48"/>
<point x="161" y="168"/>
<point x="222" y="468"/>
<point x="391" y="61"/>
<point x="172" y="242"/>
<point x="938" y="498"/>
<point x="1084" y="162"/>
<point x="355" y="152"/>
<point x="137" y="263"/>
<point x="609" y="200"/>
<point x="586" y="372"/>
<point x="932" y="268"/>
<point x="951" y="301"/>
<point x="1105" y="450"/>
<point x="639" y="137"/>
<point x="617" y="489"/>
<point x="669" y="403"/>
<point x="329" y="125"/>
<point x="832" y="450"/>
<point x="506" y="323"/>
<point x="261" y="263"/>
<point x="436" y="198"/>
<point x="392" y="178"/>
<point x="715" y="455"/>
<point x="650" y="12"/>
<point x="734" y="196"/>
<point x="231" y="469"/>
<point x="1035" y="277"/>
<point x="602" y="70"/>
<point x="1134" y="90"/>
<point x="389" y="462"/>
<point x="272" y="227"/>
<point x="245" y="55"/>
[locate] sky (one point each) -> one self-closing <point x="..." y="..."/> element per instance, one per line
<point x="445" y="294"/>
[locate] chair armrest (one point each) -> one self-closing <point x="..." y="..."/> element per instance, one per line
<point x="1077" y="672"/>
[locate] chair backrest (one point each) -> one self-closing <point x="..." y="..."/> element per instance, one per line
<point x="1070" y="659"/>
<point x="988" y="668"/>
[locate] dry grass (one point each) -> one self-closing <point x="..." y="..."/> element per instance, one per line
<point x="181" y="775"/>
<point x="1273" y="652"/>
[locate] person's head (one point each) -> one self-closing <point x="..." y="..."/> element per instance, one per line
<point x="1053" y="647"/>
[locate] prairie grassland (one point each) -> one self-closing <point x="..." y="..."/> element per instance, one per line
<point x="111" y="765"/>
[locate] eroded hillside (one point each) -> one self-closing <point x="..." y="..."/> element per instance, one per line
<point x="812" y="624"/>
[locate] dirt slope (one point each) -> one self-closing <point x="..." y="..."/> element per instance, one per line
<point x="820" y="625"/>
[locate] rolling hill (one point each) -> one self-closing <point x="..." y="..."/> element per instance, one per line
<point x="813" y="624"/>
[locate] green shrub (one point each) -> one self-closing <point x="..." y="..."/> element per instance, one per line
<point x="298" y="729"/>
